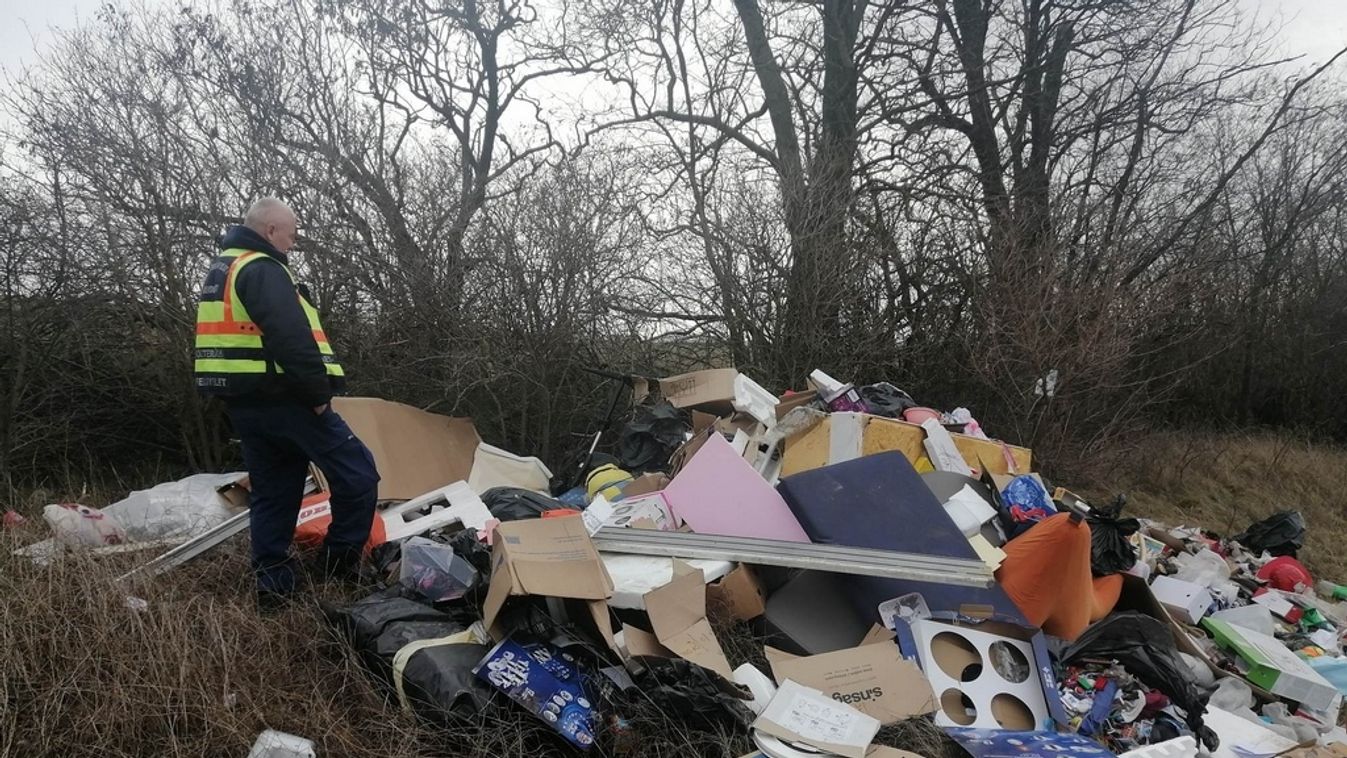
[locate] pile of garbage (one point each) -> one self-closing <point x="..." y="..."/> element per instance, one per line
<point x="897" y="562"/>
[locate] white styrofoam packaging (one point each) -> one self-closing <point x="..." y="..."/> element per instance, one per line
<point x="981" y="680"/>
<point x="1185" y="601"/>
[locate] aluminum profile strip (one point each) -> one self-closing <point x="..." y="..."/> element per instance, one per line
<point x="963" y="572"/>
<point x="190" y="549"/>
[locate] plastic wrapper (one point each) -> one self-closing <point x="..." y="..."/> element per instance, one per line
<point x="884" y="399"/>
<point x="437" y="680"/>
<point x="547" y="682"/>
<point x="74" y="524"/>
<point x="515" y="504"/>
<point x="1232" y="694"/>
<point x="1026" y="502"/>
<point x="648" y="440"/>
<point x="1282" y="533"/>
<point x="434" y="571"/>
<point x="1145" y="648"/>
<point x="185" y="508"/>
<point x="695" y="696"/>
<point x="1203" y="567"/>
<point x="1111" y="551"/>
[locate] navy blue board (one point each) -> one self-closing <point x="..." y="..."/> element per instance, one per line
<point x="879" y="501"/>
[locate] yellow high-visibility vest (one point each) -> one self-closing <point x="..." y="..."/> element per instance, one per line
<point x="228" y="343"/>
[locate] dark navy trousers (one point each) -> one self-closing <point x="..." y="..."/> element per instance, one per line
<point x="279" y="441"/>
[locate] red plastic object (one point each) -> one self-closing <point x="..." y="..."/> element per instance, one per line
<point x="315" y="516"/>
<point x="1285" y="573"/>
<point x="13" y="519"/>
<point x="560" y="512"/>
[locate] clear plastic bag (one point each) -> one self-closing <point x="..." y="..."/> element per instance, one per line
<point x="434" y="570"/>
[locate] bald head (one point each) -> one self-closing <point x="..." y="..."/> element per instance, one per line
<point x="274" y="220"/>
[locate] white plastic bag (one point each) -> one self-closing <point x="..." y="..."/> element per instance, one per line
<point x="185" y="508"/>
<point x="1203" y="567"/>
<point x="1232" y="695"/>
<point x="74" y="524"/>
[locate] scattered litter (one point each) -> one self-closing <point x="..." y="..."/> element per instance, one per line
<point x="274" y="744"/>
<point x="905" y="566"/>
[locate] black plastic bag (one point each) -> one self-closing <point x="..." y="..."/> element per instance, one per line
<point x="515" y="504"/>
<point x="647" y="441"/>
<point x="692" y="695"/>
<point x="884" y="399"/>
<point x="1282" y="533"/>
<point x="1110" y="550"/>
<point x="437" y="679"/>
<point x="1145" y="647"/>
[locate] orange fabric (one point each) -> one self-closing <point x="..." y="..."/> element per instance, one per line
<point x="1047" y="573"/>
<point x="1107" y="590"/>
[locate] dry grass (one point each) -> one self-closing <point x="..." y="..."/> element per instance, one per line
<point x="200" y="673"/>
<point x="1224" y="483"/>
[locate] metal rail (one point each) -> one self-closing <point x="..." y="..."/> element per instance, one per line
<point x="860" y="561"/>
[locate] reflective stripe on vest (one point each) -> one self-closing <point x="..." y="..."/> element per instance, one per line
<point x="229" y="342"/>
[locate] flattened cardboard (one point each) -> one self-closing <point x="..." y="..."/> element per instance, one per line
<point x="678" y="616"/>
<point x="549" y="557"/>
<point x="739" y="595"/>
<point x="803" y="714"/>
<point x="791" y="402"/>
<point x="415" y="451"/>
<point x="711" y="390"/>
<point x="874" y="679"/>
<point x="645" y="484"/>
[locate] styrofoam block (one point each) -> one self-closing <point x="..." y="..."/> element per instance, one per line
<point x="952" y="654"/>
<point x="752" y="398"/>
<point x="456" y="503"/>
<point x="1179" y="747"/>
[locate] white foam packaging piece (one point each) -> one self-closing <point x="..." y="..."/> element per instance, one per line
<point x="988" y="699"/>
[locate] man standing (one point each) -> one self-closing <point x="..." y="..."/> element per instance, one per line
<point x="260" y="346"/>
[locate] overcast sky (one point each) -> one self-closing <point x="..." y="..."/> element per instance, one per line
<point x="1316" y="28"/>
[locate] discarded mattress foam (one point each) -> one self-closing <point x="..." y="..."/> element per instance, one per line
<point x="880" y="502"/>
<point x="718" y="492"/>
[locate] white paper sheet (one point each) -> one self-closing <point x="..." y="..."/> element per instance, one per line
<point x="816" y="718"/>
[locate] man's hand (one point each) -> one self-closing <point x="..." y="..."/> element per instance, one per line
<point x="320" y="409"/>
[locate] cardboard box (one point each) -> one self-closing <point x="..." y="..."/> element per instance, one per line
<point x="549" y="557"/>
<point x="791" y="402"/>
<point x="873" y="678"/>
<point x="803" y="714"/>
<point x="711" y="390"/>
<point x="678" y="617"/>
<point x="862" y="434"/>
<point x="1185" y="601"/>
<point x="651" y="511"/>
<point x="645" y="484"/>
<point x="416" y="451"/>
<point x="738" y="595"/>
<point x="1272" y="666"/>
